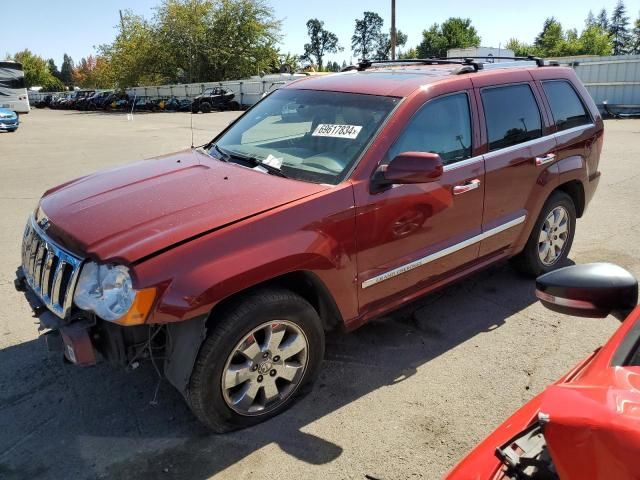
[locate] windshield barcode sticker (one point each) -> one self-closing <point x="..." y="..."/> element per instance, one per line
<point x="337" y="131"/>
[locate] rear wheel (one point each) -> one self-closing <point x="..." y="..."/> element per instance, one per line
<point x="233" y="105"/>
<point x="205" y="107"/>
<point x="551" y="238"/>
<point x="265" y="350"/>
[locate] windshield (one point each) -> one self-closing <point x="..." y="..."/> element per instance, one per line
<point x="308" y="134"/>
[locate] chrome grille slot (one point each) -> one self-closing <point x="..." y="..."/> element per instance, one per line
<point x="50" y="270"/>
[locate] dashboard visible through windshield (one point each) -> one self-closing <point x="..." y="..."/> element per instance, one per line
<point x="307" y="134"/>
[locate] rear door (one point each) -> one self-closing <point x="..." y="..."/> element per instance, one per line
<point x="411" y="235"/>
<point x="577" y="136"/>
<point x="520" y="152"/>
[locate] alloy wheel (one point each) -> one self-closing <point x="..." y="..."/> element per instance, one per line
<point x="553" y="236"/>
<point x="265" y="368"/>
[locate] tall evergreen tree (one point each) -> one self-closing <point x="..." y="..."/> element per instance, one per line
<point x="619" y="29"/>
<point x="66" y="71"/>
<point x="53" y="68"/>
<point x="590" y="20"/>
<point x="635" y="37"/>
<point x="603" y="19"/>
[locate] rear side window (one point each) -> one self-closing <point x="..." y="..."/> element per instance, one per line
<point x="441" y="126"/>
<point x="567" y="108"/>
<point x="512" y="115"/>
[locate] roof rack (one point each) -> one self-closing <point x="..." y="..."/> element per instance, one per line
<point x="365" y="64"/>
<point x="529" y="58"/>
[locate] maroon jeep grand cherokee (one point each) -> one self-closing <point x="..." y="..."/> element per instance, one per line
<point x="331" y="201"/>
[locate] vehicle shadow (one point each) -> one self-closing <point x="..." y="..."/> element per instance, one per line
<point x="64" y="422"/>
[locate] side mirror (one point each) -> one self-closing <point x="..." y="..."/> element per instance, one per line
<point x="408" y="167"/>
<point x="591" y="290"/>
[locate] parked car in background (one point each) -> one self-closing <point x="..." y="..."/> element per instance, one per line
<point x="587" y="424"/>
<point x="96" y="101"/>
<point x="230" y="261"/>
<point x="217" y="98"/>
<point x="9" y="121"/>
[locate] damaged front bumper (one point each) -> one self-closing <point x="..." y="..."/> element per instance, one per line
<point x="70" y="336"/>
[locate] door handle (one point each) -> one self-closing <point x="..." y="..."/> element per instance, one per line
<point x="549" y="157"/>
<point x="466" y="187"/>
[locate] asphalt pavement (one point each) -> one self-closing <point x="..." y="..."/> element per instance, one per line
<point x="404" y="397"/>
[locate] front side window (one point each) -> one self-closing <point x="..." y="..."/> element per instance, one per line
<point x="441" y="126"/>
<point x="566" y="107"/>
<point x="511" y="114"/>
<point x="309" y="135"/>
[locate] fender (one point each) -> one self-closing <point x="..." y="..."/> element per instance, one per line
<point x="209" y="269"/>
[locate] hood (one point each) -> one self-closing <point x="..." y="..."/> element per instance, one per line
<point x="594" y="430"/>
<point x="133" y="211"/>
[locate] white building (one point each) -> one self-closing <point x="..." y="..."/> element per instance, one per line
<point x="480" y="52"/>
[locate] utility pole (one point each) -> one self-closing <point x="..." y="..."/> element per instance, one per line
<point x="121" y="21"/>
<point x="393" y="29"/>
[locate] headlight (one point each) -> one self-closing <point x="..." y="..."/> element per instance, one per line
<point x="105" y="290"/>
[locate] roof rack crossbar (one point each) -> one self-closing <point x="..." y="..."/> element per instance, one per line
<point x="365" y="64"/>
<point x="529" y="58"/>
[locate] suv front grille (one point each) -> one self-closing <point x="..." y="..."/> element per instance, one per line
<point x="50" y="270"/>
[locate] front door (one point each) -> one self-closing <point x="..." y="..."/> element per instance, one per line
<point x="409" y="235"/>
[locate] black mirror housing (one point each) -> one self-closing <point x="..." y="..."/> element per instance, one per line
<point x="590" y="290"/>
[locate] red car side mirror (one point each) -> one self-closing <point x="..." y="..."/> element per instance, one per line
<point x="407" y="168"/>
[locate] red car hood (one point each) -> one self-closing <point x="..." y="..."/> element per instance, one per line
<point x="594" y="431"/>
<point x="593" y="428"/>
<point x="133" y="211"/>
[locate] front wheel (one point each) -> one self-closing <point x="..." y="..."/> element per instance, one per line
<point x="551" y="238"/>
<point x="263" y="352"/>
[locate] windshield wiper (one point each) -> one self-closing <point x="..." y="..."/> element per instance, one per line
<point x="224" y="156"/>
<point x="258" y="163"/>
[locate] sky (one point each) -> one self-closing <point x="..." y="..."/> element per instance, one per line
<point x="78" y="26"/>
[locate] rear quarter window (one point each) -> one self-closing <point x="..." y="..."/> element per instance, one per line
<point x="512" y="115"/>
<point x="567" y="108"/>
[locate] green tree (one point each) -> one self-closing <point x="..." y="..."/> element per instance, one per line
<point x="411" y="53"/>
<point x="554" y="42"/>
<point x="603" y="20"/>
<point x="635" y="37"/>
<point x="550" y="42"/>
<point x="133" y="55"/>
<point x="36" y="71"/>
<point x="194" y="41"/>
<point x="321" y="41"/>
<point x="66" y="70"/>
<point x="289" y="62"/>
<point x="619" y="29"/>
<point x="383" y="51"/>
<point x="595" y="41"/>
<point x="53" y="68"/>
<point x="520" y="49"/>
<point x="591" y="19"/>
<point x="366" y="36"/>
<point x="453" y="33"/>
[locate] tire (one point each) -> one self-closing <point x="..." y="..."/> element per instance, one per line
<point x="205" y="107"/>
<point x="233" y="105"/>
<point x="224" y="405"/>
<point x="533" y="260"/>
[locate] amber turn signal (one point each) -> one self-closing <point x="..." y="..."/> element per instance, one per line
<point x="140" y="308"/>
